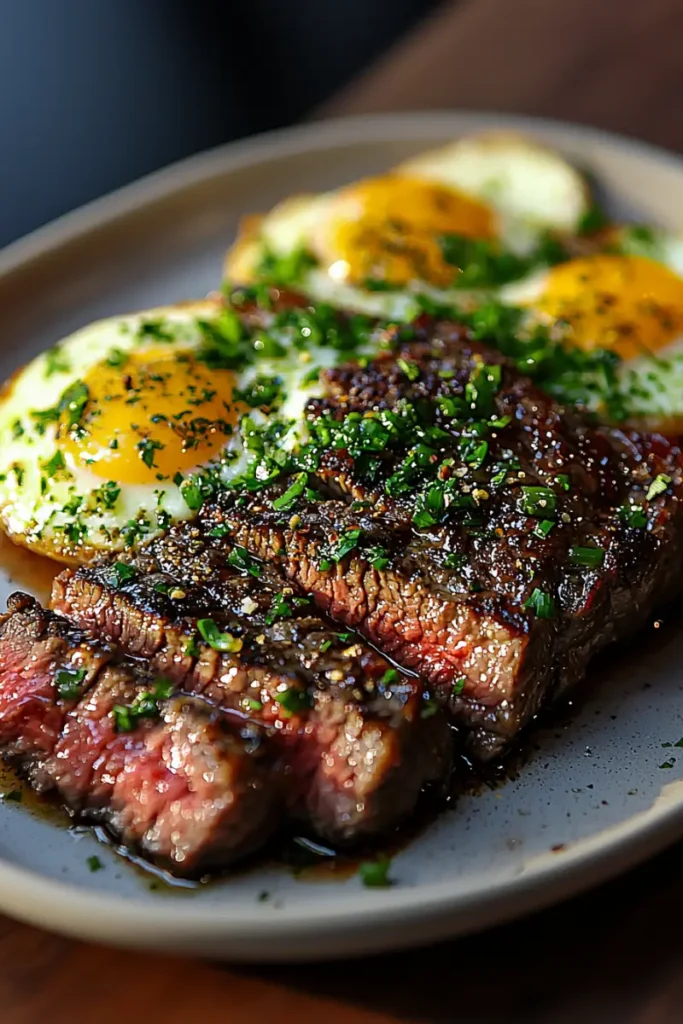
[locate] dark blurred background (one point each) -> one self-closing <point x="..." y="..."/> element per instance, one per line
<point x="96" y="93"/>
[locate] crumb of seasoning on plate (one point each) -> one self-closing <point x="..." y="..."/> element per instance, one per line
<point x="94" y="863"/>
<point x="15" y="795"/>
<point x="263" y="896"/>
<point x="374" y="874"/>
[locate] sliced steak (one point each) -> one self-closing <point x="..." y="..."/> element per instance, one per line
<point x="470" y="527"/>
<point x="181" y="784"/>
<point x="359" y="739"/>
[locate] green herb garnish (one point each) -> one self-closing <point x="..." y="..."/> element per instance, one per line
<point x="374" y="874"/>
<point x="147" y="447"/>
<point x="145" y="705"/>
<point x="292" y="700"/>
<point x="538" y="501"/>
<point x="658" y="486"/>
<point x="241" y="559"/>
<point x="288" y="499"/>
<point x="589" y="558"/>
<point x="69" y="681"/>
<point x="122" y="573"/>
<point x="541" y="604"/>
<point x="225" y="642"/>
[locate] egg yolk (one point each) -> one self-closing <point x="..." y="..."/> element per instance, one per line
<point x="388" y="229"/>
<point x="628" y="304"/>
<point x="157" y="414"/>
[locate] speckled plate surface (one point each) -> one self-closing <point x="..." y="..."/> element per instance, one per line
<point x="593" y="799"/>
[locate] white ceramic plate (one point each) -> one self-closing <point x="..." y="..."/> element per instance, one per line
<point x="590" y="803"/>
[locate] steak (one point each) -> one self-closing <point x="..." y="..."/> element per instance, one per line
<point x="469" y="526"/>
<point x="358" y="739"/>
<point x="170" y="777"/>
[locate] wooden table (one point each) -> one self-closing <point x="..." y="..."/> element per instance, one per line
<point x="615" y="955"/>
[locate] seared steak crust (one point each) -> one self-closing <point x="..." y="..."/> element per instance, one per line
<point x="545" y="536"/>
<point x="184" y="786"/>
<point x="358" y="738"/>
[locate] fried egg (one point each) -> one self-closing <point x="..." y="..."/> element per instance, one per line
<point x="113" y="434"/>
<point x="630" y="305"/>
<point x="374" y="242"/>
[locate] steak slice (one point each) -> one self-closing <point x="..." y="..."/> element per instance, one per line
<point x="183" y="785"/>
<point x="359" y="739"/>
<point x="469" y="526"/>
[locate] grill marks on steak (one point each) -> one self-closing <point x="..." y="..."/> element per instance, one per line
<point x="458" y="599"/>
<point x="188" y="789"/>
<point x="358" y="739"/>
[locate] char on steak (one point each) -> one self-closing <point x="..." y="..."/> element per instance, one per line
<point x="358" y="739"/>
<point x="170" y="777"/>
<point x="469" y="526"/>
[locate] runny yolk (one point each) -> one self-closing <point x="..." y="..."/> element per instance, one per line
<point x="628" y="304"/>
<point x="158" y="414"/>
<point x="388" y="229"/>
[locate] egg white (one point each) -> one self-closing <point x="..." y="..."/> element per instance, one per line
<point x="529" y="188"/>
<point x="41" y="510"/>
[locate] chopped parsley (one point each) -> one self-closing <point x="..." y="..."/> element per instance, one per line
<point x="241" y="559"/>
<point x="190" y="648"/>
<point x="543" y="528"/>
<point x="374" y="874"/>
<point x="285" y="269"/>
<point x="484" y="264"/>
<point x="122" y="573"/>
<point x="378" y="557"/>
<point x="147" y="447"/>
<point x="94" y="863"/>
<point x="14" y="795"/>
<point x="145" y="705"/>
<point x="538" y="501"/>
<point x="346" y="543"/>
<point x="391" y="676"/>
<point x="292" y="700"/>
<point x="117" y="357"/>
<point x="541" y="604"/>
<point x="53" y="465"/>
<point x="156" y="329"/>
<point x="224" y="642"/>
<point x="262" y="391"/>
<point x="191" y="492"/>
<point x="589" y="558"/>
<point x="658" y="486"/>
<point x="633" y="516"/>
<point x="409" y="368"/>
<point x="289" y="498"/>
<point x="459" y="686"/>
<point x="430" y="507"/>
<point x="592" y="220"/>
<point x="107" y="494"/>
<point x="69" y="681"/>
<point x="56" y="361"/>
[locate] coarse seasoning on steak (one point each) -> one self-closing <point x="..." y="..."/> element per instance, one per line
<point x="169" y="776"/>
<point x="471" y="527"/>
<point x="357" y="739"/>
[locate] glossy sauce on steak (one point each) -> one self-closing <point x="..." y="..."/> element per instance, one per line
<point x="358" y="739"/>
<point x="179" y="782"/>
<point x="441" y="512"/>
<point x="472" y="528"/>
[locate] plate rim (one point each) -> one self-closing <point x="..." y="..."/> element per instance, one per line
<point x="366" y="919"/>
